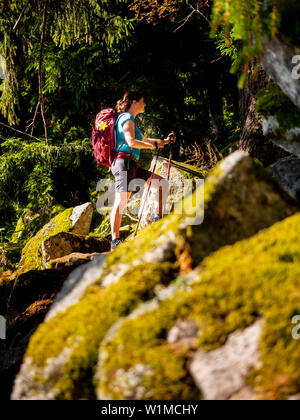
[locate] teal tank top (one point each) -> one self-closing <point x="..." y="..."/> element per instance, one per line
<point x="120" y="135"/>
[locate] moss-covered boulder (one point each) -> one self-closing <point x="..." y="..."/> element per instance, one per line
<point x="74" y="220"/>
<point x="61" y="360"/>
<point x="32" y="221"/>
<point x="63" y="367"/>
<point x="238" y="199"/>
<point x="242" y="300"/>
<point x="179" y="174"/>
<point x="23" y="281"/>
<point x="64" y="243"/>
<point x="29" y="223"/>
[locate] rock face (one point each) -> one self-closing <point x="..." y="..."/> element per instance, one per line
<point x="179" y="174"/>
<point x="277" y="62"/>
<point x="76" y="284"/>
<point x="287" y="173"/>
<point x="288" y="140"/>
<point x="131" y="295"/>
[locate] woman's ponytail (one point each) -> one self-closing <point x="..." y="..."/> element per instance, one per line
<point x="121" y="106"/>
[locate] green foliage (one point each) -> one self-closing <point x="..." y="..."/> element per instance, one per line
<point x="68" y="22"/>
<point x="29" y="174"/>
<point x="245" y="17"/>
<point x="271" y="101"/>
<point x="249" y="21"/>
<point x="226" y="46"/>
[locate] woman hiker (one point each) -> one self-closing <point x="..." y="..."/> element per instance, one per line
<point x="125" y="167"/>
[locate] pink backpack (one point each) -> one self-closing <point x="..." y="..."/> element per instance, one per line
<point x="104" y="137"/>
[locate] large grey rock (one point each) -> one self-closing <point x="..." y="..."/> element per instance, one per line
<point x="76" y="284"/>
<point x="288" y="140"/>
<point x="277" y="62"/>
<point x="287" y="173"/>
<point x="54" y="368"/>
<point x="81" y="219"/>
<point x="179" y="175"/>
<point x="221" y="373"/>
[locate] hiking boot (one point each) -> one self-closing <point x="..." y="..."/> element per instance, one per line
<point x="115" y="243"/>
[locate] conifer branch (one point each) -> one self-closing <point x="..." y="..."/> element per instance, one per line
<point x="20" y="17"/>
<point x="96" y="29"/>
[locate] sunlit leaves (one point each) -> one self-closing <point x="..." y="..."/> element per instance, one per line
<point x="248" y="21"/>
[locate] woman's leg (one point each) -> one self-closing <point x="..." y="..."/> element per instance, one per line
<point x="120" y="202"/>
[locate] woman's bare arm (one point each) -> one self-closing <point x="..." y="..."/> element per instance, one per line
<point x="154" y="142"/>
<point x="129" y="134"/>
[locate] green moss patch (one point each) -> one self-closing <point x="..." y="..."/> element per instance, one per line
<point x="257" y="277"/>
<point x="31" y="254"/>
<point x="26" y="230"/>
<point x="85" y="324"/>
<point x="188" y="171"/>
<point x="271" y="101"/>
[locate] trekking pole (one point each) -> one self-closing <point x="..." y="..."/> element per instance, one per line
<point x="170" y="155"/>
<point x="149" y="186"/>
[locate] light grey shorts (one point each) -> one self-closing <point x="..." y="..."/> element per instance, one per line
<point x="124" y="175"/>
